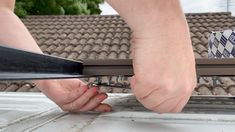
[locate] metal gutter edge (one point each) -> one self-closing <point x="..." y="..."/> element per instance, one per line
<point x="204" y="67"/>
<point x="108" y="67"/>
<point x="215" y="67"/>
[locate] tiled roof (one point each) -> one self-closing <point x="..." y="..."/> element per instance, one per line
<point x="108" y="37"/>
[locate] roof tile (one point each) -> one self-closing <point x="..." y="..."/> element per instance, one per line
<point x="112" y="55"/>
<point x="102" y="55"/>
<point x="108" y="37"/>
<point x="12" y="88"/>
<point x="219" y="90"/>
<point x="73" y="56"/>
<point x="82" y="56"/>
<point x="204" y="90"/>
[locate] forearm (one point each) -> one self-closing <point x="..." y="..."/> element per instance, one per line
<point x="153" y="17"/>
<point x="13" y="33"/>
<point x="159" y="22"/>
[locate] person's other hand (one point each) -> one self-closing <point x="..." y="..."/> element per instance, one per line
<point x="73" y="95"/>
<point x="163" y="59"/>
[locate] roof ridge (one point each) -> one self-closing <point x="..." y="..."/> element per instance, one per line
<point x="42" y="16"/>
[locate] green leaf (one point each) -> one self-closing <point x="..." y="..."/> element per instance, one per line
<point x="57" y="7"/>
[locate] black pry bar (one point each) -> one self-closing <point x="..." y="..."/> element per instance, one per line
<point x="23" y="65"/>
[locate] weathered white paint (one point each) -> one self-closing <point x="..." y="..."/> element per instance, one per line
<point x="34" y="112"/>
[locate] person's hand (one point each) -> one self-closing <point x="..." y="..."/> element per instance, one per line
<point x="73" y="95"/>
<point x="163" y="59"/>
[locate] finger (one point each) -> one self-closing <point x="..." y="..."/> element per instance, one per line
<point x="94" y="102"/>
<point x="138" y="90"/>
<point x="62" y="91"/>
<point x="143" y="94"/>
<point x="152" y="99"/>
<point x="179" y="107"/>
<point x="82" y="100"/>
<point x="167" y="106"/>
<point x="102" y="108"/>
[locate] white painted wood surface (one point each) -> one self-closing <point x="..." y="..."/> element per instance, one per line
<point x="34" y="112"/>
